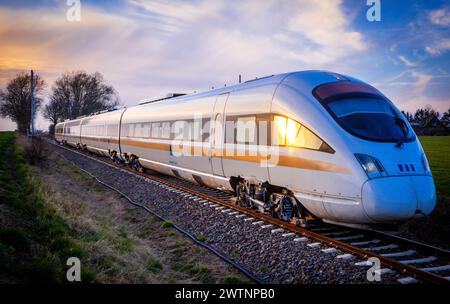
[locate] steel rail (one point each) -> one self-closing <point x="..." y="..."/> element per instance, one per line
<point x="423" y="248"/>
<point x="364" y="254"/>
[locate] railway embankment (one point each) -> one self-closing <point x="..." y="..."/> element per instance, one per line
<point x="51" y="211"/>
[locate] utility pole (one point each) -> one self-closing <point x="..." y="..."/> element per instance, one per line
<point x="32" y="103"/>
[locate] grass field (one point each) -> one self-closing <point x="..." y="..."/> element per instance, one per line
<point x="34" y="241"/>
<point x="437" y="149"/>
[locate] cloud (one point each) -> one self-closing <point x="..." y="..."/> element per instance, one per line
<point x="171" y="41"/>
<point x="411" y="90"/>
<point x="415" y="81"/>
<point x="325" y="24"/>
<point x="406" y="61"/>
<point x="439" y="47"/>
<point x="440" y="16"/>
<point x="148" y="48"/>
<point x="179" y="11"/>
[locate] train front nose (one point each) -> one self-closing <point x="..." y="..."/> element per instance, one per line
<point x="398" y="198"/>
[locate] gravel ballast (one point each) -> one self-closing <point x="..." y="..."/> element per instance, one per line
<point x="270" y="253"/>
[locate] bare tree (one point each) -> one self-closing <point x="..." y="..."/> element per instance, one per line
<point x="53" y="111"/>
<point x="78" y="93"/>
<point x="15" y="102"/>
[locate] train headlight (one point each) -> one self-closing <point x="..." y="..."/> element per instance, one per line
<point x="426" y="165"/>
<point x="371" y="166"/>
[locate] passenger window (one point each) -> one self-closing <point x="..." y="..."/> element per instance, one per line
<point x="196" y="130"/>
<point x="139" y="130"/>
<point x="246" y="130"/>
<point x="166" y="130"/>
<point x="125" y="130"/>
<point x="292" y="130"/>
<point x="156" y="130"/>
<point x="288" y="132"/>
<point x="229" y="132"/>
<point x="279" y="129"/>
<point x="307" y="139"/>
<point x="263" y="132"/>
<point x="189" y="131"/>
<point x="111" y="130"/>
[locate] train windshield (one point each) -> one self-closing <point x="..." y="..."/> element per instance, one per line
<point x="370" y="118"/>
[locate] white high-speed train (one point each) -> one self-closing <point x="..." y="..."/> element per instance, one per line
<point x="344" y="149"/>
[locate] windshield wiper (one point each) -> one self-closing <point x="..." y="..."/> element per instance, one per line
<point x="402" y="125"/>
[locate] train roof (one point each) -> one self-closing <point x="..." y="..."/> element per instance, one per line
<point x="271" y="79"/>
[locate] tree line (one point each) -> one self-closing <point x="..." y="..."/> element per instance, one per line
<point x="422" y="115"/>
<point x="72" y="95"/>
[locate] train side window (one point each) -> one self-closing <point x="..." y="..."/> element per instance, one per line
<point x="111" y="130"/>
<point x="147" y="130"/>
<point x="246" y="130"/>
<point x="166" y="130"/>
<point x="156" y="130"/>
<point x="142" y="130"/>
<point x="125" y="130"/>
<point x="263" y="132"/>
<point x="229" y="132"/>
<point x="279" y="130"/>
<point x="288" y="132"/>
<point x="206" y="130"/>
<point x="188" y="133"/>
<point x="196" y="130"/>
<point x="292" y="132"/>
<point x="307" y="139"/>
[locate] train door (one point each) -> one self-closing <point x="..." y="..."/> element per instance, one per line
<point x="217" y="134"/>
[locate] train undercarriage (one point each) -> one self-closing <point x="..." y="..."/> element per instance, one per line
<point x="276" y="201"/>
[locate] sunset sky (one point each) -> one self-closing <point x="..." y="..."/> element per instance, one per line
<point x="150" y="48"/>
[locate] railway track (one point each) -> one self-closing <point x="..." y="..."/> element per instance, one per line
<point x="413" y="260"/>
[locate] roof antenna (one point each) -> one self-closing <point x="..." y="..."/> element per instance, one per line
<point x="240" y="78"/>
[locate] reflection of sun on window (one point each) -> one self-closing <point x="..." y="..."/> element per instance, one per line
<point x="288" y="132"/>
<point x="291" y="132"/>
<point x="280" y="130"/>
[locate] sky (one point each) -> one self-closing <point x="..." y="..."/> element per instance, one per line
<point x="149" y="48"/>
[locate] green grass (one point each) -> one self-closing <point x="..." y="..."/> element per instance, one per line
<point x="154" y="265"/>
<point x="38" y="245"/>
<point x="437" y="149"/>
<point x="201" y="238"/>
<point x="202" y="274"/>
<point x="167" y="224"/>
<point x="231" y="279"/>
